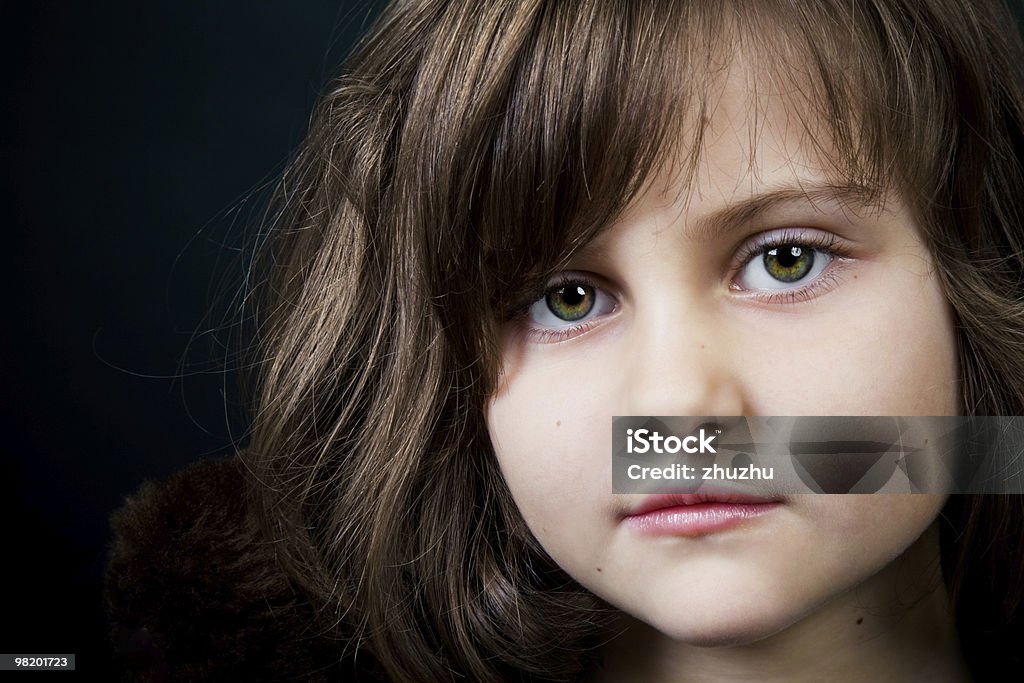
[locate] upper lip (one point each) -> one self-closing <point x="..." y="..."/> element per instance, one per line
<point x="671" y="500"/>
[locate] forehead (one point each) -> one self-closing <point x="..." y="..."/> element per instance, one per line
<point x="766" y="121"/>
<point x="753" y="129"/>
<point x="751" y="146"/>
<point x="723" y="99"/>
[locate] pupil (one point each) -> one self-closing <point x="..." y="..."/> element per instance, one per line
<point x="573" y="295"/>
<point x="789" y="257"/>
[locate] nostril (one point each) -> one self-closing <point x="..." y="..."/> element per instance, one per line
<point x="741" y="460"/>
<point x="711" y="427"/>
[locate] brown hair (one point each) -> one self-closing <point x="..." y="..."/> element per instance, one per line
<point x="466" y="150"/>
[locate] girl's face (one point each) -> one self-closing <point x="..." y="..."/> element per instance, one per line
<point x="764" y="287"/>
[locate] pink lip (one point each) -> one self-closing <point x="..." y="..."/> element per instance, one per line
<point x="696" y="514"/>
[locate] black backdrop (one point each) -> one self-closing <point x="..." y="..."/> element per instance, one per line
<point x="137" y="136"/>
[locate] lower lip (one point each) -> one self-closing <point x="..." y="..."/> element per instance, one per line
<point x="698" y="519"/>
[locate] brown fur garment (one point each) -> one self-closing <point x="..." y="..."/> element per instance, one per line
<point x="194" y="593"/>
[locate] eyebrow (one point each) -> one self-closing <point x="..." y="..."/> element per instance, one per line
<point x="739" y="214"/>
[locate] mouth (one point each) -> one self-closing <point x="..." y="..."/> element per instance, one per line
<point x="697" y="514"/>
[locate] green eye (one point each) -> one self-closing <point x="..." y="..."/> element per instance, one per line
<point x="788" y="263"/>
<point x="569" y="306"/>
<point x="571" y="302"/>
<point x="781" y="263"/>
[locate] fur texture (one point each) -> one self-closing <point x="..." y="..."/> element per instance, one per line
<point x="195" y="594"/>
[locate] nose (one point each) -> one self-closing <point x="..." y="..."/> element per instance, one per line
<point x="682" y="363"/>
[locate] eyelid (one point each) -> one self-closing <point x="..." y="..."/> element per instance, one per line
<point x="811" y="237"/>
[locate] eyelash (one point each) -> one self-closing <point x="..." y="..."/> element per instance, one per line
<point x="557" y="334"/>
<point x="825" y="243"/>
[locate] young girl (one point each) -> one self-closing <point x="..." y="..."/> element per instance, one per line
<point x="513" y="220"/>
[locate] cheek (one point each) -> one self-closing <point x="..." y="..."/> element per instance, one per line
<point x="551" y="435"/>
<point x="884" y="346"/>
<point x="869" y="530"/>
<point x="881" y="536"/>
<point x="912" y="353"/>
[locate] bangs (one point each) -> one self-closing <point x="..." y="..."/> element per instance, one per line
<point x="528" y="136"/>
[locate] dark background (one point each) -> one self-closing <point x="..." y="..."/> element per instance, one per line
<point x="139" y="140"/>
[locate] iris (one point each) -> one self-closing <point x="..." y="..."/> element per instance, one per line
<point x="571" y="302"/>
<point x="788" y="263"/>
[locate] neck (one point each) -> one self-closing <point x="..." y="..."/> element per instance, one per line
<point x="895" y="626"/>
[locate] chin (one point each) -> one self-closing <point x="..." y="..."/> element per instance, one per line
<point x="724" y="625"/>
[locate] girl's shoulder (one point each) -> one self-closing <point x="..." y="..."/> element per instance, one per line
<point x="193" y="592"/>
